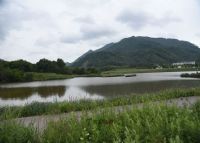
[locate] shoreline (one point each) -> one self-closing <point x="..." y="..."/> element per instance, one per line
<point x="112" y="73"/>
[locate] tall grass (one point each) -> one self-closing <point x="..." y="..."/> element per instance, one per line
<point x="150" y="124"/>
<point x="64" y="107"/>
<point x="12" y="132"/>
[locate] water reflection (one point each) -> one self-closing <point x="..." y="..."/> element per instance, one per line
<point x="25" y="92"/>
<point x="138" y="88"/>
<point x="91" y="88"/>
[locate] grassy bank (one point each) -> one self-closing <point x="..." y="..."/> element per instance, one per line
<point x="18" y="76"/>
<point x="49" y="76"/>
<point x="64" y="107"/>
<point x="122" y="71"/>
<point x="152" y="124"/>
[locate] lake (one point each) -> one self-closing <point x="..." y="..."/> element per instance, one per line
<point x="91" y="88"/>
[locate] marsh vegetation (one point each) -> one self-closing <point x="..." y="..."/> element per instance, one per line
<point x="152" y="123"/>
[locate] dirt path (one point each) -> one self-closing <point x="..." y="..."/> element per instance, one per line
<point x="40" y="122"/>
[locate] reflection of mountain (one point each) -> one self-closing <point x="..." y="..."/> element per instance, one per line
<point x="51" y="91"/>
<point x="139" y="88"/>
<point x="24" y="92"/>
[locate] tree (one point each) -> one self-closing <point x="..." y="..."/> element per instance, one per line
<point x="21" y="65"/>
<point x="45" y="65"/>
<point x="60" y="63"/>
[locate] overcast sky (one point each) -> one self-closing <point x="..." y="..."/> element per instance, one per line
<point x="35" y="29"/>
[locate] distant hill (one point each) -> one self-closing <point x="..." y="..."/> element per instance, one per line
<point x="139" y="51"/>
<point x="67" y="63"/>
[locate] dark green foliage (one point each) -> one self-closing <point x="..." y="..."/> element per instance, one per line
<point x="139" y="52"/>
<point x="59" y="66"/>
<point x="20" y="70"/>
<point x="21" y="65"/>
<point x="14" y="75"/>
<point x="60" y="63"/>
<point x="15" y="71"/>
<point x="45" y="65"/>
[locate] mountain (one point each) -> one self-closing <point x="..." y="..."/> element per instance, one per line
<point x="67" y="63"/>
<point x="139" y="51"/>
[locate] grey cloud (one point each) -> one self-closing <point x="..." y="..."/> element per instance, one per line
<point x="38" y="53"/>
<point x="96" y="32"/>
<point x="11" y="16"/>
<point x="2" y="2"/>
<point x="3" y="20"/>
<point x="139" y="20"/>
<point x="44" y="42"/>
<point x="197" y="34"/>
<point x="165" y="20"/>
<point x="84" y="20"/>
<point x="88" y="33"/>
<point x="134" y="20"/>
<point x="70" y="39"/>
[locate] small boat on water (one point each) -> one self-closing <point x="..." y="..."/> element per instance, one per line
<point x="129" y="75"/>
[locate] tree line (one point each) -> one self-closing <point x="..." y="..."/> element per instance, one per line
<point x="21" y="70"/>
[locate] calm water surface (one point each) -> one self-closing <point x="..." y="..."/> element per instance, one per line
<point x="91" y="88"/>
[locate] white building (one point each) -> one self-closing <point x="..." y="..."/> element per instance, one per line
<point x="184" y="63"/>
